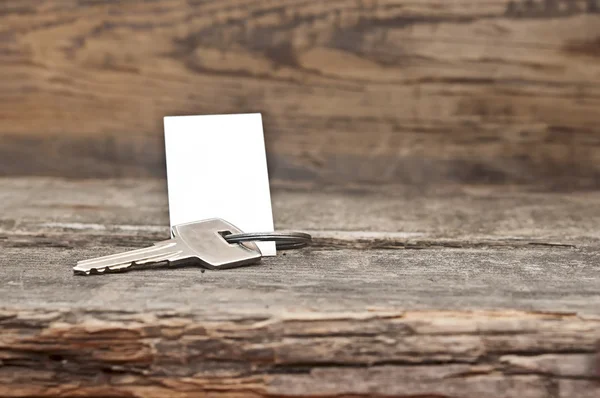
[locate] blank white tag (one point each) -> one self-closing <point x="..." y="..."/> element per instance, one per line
<point x="217" y="167"/>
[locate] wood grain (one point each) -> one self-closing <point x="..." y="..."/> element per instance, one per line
<point x="501" y="299"/>
<point x="380" y="91"/>
<point x="138" y="209"/>
<point x="366" y="354"/>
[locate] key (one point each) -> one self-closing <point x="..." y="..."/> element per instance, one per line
<point x="200" y="243"/>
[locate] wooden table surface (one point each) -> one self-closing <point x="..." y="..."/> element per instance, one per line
<point x="456" y="291"/>
<point x="444" y="154"/>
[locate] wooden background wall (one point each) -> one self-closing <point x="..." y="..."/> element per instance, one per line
<point x="352" y="91"/>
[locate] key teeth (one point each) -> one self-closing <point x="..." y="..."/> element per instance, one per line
<point x="97" y="271"/>
<point x="83" y="267"/>
<point x="80" y="272"/>
<point x="88" y="272"/>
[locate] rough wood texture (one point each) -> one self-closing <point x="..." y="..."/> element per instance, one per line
<point x="352" y="91"/>
<point x="501" y="299"/>
<point x="379" y="353"/>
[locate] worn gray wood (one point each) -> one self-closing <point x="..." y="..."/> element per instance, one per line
<point x="324" y="280"/>
<point x="501" y="299"/>
<point x="138" y="207"/>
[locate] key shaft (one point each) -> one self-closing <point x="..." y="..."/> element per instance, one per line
<point x="168" y="250"/>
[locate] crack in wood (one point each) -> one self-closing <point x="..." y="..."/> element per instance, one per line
<point x="391" y="244"/>
<point x="65" y="241"/>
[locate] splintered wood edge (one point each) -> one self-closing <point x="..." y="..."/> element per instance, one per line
<point x="372" y="353"/>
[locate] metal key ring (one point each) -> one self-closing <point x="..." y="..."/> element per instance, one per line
<point x="283" y="240"/>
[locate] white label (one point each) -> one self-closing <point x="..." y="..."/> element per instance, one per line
<point x="217" y="168"/>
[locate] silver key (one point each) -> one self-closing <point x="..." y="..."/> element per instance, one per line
<point x="199" y="242"/>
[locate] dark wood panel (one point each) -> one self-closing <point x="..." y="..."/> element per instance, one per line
<point x="374" y="91"/>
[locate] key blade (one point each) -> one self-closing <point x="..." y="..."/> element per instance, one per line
<point x="162" y="251"/>
<point x="136" y="252"/>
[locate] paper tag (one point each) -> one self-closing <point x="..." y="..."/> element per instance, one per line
<point x="217" y="167"/>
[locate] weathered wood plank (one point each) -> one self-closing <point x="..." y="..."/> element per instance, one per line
<point x="377" y="353"/>
<point x="328" y="280"/>
<point x="488" y="249"/>
<point x="352" y="91"/>
<point x="352" y="316"/>
<point x="538" y="249"/>
<point x="137" y="208"/>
